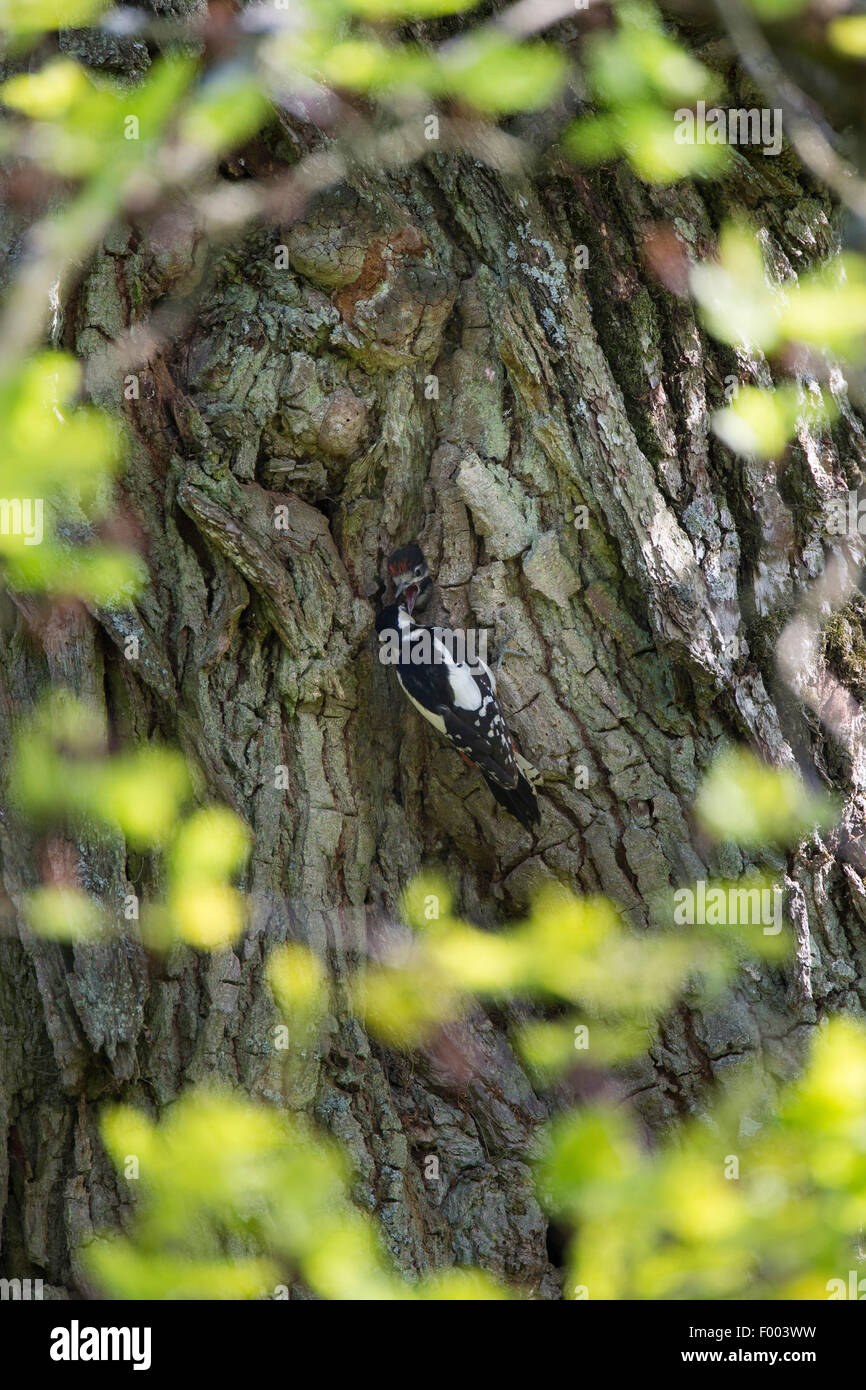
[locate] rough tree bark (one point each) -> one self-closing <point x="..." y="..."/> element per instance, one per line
<point x="648" y="640"/>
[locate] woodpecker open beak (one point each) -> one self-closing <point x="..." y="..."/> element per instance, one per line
<point x="406" y="590"/>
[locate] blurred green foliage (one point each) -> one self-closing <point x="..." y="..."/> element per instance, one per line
<point x="750" y="1199"/>
<point x="237" y="1199"/>
<point x="63" y="456"/>
<point x="577" y="952"/>
<point x="30" y="18"/>
<point x="847" y="34"/>
<point x="774" y="10"/>
<point x="488" y="72"/>
<point x="114" y="145"/>
<point x="759" y="422"/>
<point x="741" y="1204"/>
<point x="825" y="311"/>
<point x="60" y="771"/>
<point x="64" y="780"/>
<point x="825" y="308"/>
<point x="639" y="77"/>
<point x="82" y="128"/>
<point x="751" y="804"/>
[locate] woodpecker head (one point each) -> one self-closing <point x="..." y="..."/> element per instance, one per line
<point x="411" y="577"/>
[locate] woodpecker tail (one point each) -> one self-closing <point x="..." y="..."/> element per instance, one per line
<point x="520" y="800"/>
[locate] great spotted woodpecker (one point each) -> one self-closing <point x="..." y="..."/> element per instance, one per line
<point x="459" y="699"/>
<point x="411" y="577"/>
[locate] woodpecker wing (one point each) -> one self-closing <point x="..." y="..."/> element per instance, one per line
<point x="460" y="701"/>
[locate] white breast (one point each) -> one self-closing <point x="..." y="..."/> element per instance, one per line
<point x="435" y="719"/>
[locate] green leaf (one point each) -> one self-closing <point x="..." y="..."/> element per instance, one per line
<point x="751" y="804"/>
<point x="141" y="793"/>
<point x="298" y="982"/>
<point x="406" y="9"/>
<point x="593" y="138"/>
<point x="828" y="307"/>
<point x="500" y="77"/>
<point x="367" y="65"/>
<point x="758" y="423"/>
<point x="226" y="111"/>
<point x="86" y="128"/>
<point x="737" y="304"/>
<point x="208" y="916"/>
<point x="130" y="1273"/>
<point x="33" y="16"/>
<point x="47" y="94"/>
<point x="847" y="34"/>
<point x="649" y="139"/>
<point x="771" y="10"/>
<point x="463" y="1285"/>
<point x="587" y="1149"/>
<point x="638" y="65"/>
<point x="63" y="914"/>
<point x="211" y="845"/>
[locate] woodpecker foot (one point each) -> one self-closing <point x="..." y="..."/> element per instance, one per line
<point x="505" y="650"/>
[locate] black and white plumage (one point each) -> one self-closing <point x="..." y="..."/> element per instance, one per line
<point x="459" y="699"/>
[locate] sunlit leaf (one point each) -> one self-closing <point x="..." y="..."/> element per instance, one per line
<point x="142" y="793"/>
<point x="367" y="65"/>
<point x="347" y="1262"/>
<point x="298" y="981"/>
<point x="404" y="1006"/>
<point x="59" y="770"/>
<point x="744" y="800"/>
<point x="226" y="111"/>
<point x="551" y="1048"/>
<point x="847" y="34"/>
<point x="649" y="139"/>
<point x="126" y="1131"/>
<point x="641" y="61"/>
<point x="770" y="10"/>
<point x="586" y="1150"/>
<point x="217" y="1166"/>
<point x="759" y="423"/>
<point x="500" y="77"/>
<point x="461" y="1285"/>
<point x="86" y="129"/>
<point x="834" y="1087"/>
<point x="211" y="844"/>
<point x="104" y="575"/>
<point x="427" y="900"/>
<point x="593" y="138"/>
<point x="208" y="916"/>
<point x="67" y="453"/>
<point x="146" y="1274"/>
<point x="745" y="915"/>
<point x="483" y="962"/>
<point x="406" y="9"/>
<point x="31" y="16"/>
<point x="48" y="93"/>
<point x="828" y="307"/>
<point x="63" y="914"/>
<point x="738" y="306"/>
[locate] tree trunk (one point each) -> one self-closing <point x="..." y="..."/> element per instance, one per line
<point x="436" y="361"/>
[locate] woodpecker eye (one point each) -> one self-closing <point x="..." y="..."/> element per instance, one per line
<point x="419" y="570"/>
